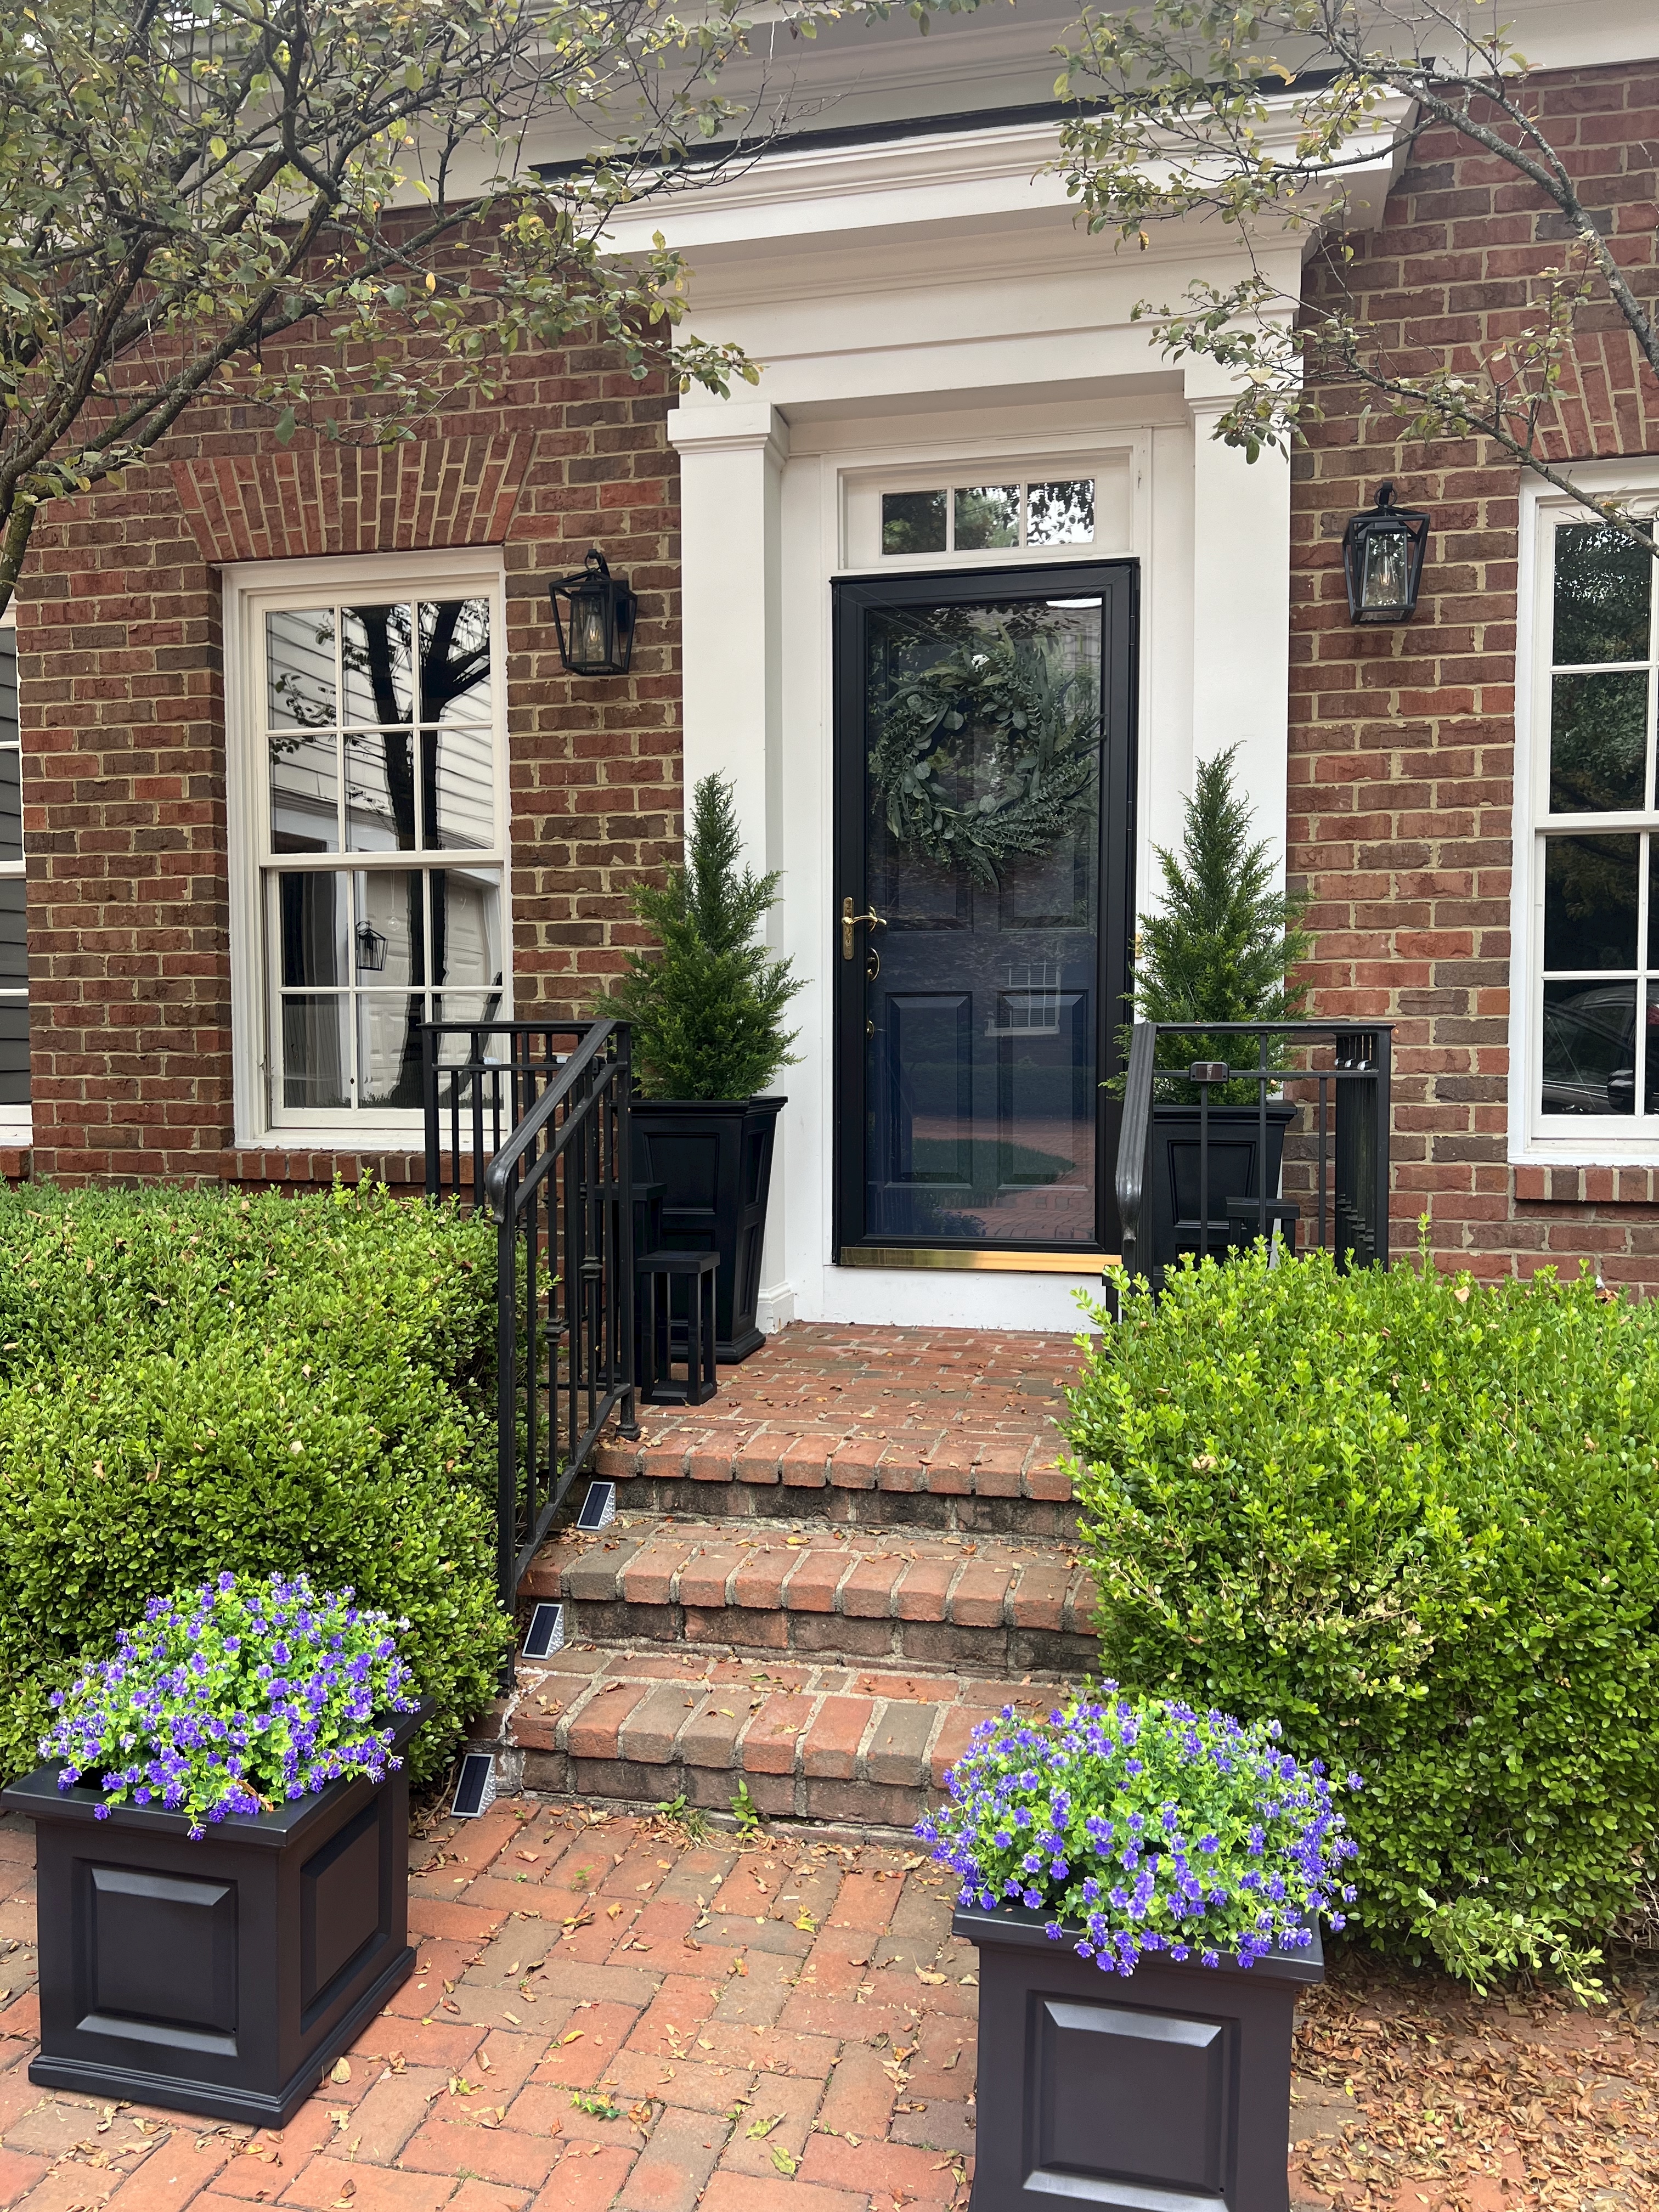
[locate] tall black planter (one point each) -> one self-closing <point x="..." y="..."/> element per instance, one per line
<point x="713" y="1160"/>
<point x="1171" y="2088"/>
<point x="1235" y="1141"/>
<point x="223" y="1976"/>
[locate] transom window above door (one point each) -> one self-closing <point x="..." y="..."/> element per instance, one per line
<point x="969" y="514"/>
<point x="980" y="518"/>
<point x="373" y="776"/>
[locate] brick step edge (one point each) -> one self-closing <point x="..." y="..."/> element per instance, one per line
<point x="991" y="1614"/>
<point x="840" y="1745"/>
<point x="1014" y="1467"/>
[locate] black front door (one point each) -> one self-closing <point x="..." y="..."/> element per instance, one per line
<point x="983" y="889"/>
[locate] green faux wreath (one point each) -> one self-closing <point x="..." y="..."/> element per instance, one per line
<point x="1042" y="760"/>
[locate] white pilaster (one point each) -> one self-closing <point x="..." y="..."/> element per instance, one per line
<point x="732" y="457"/>
<point x="1241" y="606"/>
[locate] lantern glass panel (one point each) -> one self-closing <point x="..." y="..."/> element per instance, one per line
<point x="590" y="643"/>
<point x="1385" y="585"/>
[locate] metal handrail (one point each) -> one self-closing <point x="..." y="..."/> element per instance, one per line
<point x="524" y="1136"/>
<point x="1364" y="1051"/>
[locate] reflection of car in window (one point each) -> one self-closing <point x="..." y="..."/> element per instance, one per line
<point x="1590" y="1049"/>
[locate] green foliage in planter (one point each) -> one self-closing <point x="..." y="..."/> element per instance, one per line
<point x="707" y="1009"/>
<point x="1417" y="1520"/>
<point x="1221" y="946"/>
<point x="194" y="1381"/>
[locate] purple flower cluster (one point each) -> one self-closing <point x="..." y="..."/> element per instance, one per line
<point x="234" y="1698"/>
<point x="1140" y="1825"/>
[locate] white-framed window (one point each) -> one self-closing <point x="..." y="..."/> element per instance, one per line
<point x="15" y="1127"/>
<point x="1584" y="1079"/>
<point x="366" y="745"/>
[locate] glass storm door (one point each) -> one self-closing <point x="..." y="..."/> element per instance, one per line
<point x="982" y="901"/>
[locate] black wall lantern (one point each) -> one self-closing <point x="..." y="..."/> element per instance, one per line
<point x="371" y="948"/>
<point x="596" y="621"/>
<point x="1382" y="558"/>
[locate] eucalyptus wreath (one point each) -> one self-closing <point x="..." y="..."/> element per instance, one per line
<point x="978" y="806"/>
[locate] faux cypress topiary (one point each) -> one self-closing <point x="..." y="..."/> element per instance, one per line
<point x="1223" y="946"/>
<point x="707" y="1009"/>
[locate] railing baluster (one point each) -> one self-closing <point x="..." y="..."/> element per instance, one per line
<point x="1351" y="1178"/>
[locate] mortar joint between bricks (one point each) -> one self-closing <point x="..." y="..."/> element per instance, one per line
<point x="575" y="1710"/>
<point x="925" y="1778"/>
<point x="819" y="1697"/>
<point x="861" y="1756"/>
<point x="949" y="1599"/>
<point x="855" y="1561"/>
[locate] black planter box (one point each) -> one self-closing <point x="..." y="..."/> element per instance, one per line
<point x="1167" y="2092"/>
<point x="713" y="1160"/>
<point x="1235" y="1140"/>
<point x="223" y="1976"/>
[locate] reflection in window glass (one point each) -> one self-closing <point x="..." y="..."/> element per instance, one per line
<point x="300" y="667"/>
<point x="913" y="522"/>
<point x="374" y="664"/>
<point x="1060" y="513"/>
<point x="316" y="1052"/>
<point x="314" y="920"/>
<point x="1599" y="743"/>
<point x="1590" y="903"/>
<point x="458" y="792"/>
<point x="380" y="808"/>
<point x="1603" y="593"/>
<point x="455" y="661"/>
<point x="1590" y="1048"/>
<point x="304" y="792"/>
<point x="986" y="515"/>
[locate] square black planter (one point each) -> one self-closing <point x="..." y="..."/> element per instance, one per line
<point x="713" y="1158"/>
<point x="223" y="1976"/>
<point x="1167" y="2092"/>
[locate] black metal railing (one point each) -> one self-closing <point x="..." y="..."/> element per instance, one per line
<point x="478" y="1080"/>
<point x="1312" y="1151"/>
<point x="550" y="1157"/>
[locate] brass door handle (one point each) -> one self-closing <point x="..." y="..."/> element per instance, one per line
<point x="849" y="922"/>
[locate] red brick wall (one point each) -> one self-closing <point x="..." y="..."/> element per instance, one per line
<point x="1402" y="738"/>
<point x="120" y="658"/>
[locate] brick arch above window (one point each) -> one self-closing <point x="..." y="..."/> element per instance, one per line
<point x="444" y="492"/>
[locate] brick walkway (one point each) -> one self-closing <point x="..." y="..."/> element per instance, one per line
<point x="612" y="2016"/>
<point x="605" y="2012"/>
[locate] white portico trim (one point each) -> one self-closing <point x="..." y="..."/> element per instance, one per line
<point x="922" y="317"/>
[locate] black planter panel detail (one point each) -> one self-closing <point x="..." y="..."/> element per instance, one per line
<point x="1169" y="2092"/>
<point x="714" y="1162"/>
<point x="1234" y="1142"/>
<point x="221" y="1975"/>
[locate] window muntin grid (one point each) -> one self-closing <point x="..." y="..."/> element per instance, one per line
<point x="1597" y="1058"/>
<point x="983" y="517"/>
<point x="382" y="852"/>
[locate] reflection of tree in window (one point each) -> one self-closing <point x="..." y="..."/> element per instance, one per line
<point x="1603" y="586"/>
<point x="1590" y="903"/>
<point x="453" y="661"/>
<point x="1599" y="743"/>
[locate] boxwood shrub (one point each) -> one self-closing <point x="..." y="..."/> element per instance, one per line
<point x="1412" y="1518"/>
<point x="196" y="1380"/>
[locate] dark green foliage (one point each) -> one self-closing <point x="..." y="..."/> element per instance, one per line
<point x="707" y="1009"/>
<point x="1416" y="1520"/>
<point x="191" y="1381"/>
<point x="1225" y="940"/>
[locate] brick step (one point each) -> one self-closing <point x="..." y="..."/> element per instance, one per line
<point x="983" y="1606"/>
<point x="822" y="1742"/>
<point x="886" y="1478"/>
